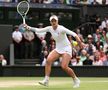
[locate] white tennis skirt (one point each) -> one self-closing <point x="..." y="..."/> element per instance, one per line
<point x="66" y="49"/>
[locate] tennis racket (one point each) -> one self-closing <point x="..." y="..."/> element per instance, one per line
<point x="22" y="9"/>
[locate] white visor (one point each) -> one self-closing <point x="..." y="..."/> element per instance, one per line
<point x="53" y="17"/>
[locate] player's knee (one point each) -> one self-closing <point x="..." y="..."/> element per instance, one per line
<point x="64" y="67"/>
<point x="48" y="61"/>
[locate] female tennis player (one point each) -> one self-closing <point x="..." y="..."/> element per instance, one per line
<point x="63" y="49"/>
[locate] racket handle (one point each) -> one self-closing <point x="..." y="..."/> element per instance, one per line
<point x="24" y="21"/>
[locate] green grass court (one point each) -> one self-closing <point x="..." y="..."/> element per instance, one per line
<point x="56" y="83"/>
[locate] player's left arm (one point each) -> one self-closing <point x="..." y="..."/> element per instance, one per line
<point x="80" y="43"/>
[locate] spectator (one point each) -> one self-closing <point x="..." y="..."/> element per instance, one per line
<point x="98" y="44"/>
<point x="105" y="63"/>
<point x="29" y="44"/>
<point x="104" y="23"/>
<point x="90" y="43"/>
<point x="17" y="40"/>
<point x="74" y="59"/>
<point x="52" y="45"/>
<point x="88" y="61"/>
<point x="97" y="36"/>
<point x="3" y="61"/>
<point x="83" y="55"/>
<point x="97" y="61"/>
<point x="105" y="46"/>
<point x="102" y="55"/>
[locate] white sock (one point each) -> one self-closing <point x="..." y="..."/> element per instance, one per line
<point x="46" y="78"/>
<point x="75" y="78"/>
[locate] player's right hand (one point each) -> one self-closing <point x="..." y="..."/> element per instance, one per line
<point x="26" y="27"/>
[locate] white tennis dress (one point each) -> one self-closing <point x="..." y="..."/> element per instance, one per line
<point x="63" y="45"/>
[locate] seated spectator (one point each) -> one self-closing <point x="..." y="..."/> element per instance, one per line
<point x="90" y="44"/>
<point x="43" y="55"/>
<point x="83" y="55"/>
<point x="97" y="61"/>
<point x="52" y="46"/>
<point x="102" y="54"/>
<point x="98" y="44"/>
<point x="88" y="61"/>
<point x="74" y="59"/>
<point x="105" y="46"/>
<point x="105" y="62"/>
<point x="3" y="61"/>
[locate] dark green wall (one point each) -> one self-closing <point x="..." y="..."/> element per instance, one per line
<point x="5" y="39"/>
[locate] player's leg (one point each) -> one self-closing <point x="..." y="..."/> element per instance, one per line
<point x="50" y="59"/>
<point x="64" y="64"/>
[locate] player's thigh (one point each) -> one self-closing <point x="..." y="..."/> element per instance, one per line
<point x="53" y="55"/>
<point x="65" y="60"/>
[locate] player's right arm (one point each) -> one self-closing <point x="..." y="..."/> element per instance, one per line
<point x="38" y="30"/>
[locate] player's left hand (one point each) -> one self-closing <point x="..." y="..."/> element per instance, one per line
<point x="82" y="45"/>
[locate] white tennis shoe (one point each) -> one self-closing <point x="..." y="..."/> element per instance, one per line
<point x="76" y="83"/>
<point x="44" y="83"/>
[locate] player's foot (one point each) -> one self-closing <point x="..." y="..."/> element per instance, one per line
<point x="44" y="83"/>
<point x="76" y="83"/>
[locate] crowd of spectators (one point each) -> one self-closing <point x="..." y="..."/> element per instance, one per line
<point x="89" y="2"/>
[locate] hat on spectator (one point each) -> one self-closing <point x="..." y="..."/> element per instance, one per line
<point x="53" y="17"/>
<point x="89" y="36"/>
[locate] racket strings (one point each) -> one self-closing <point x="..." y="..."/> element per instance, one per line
<point x="23" y="8"/>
